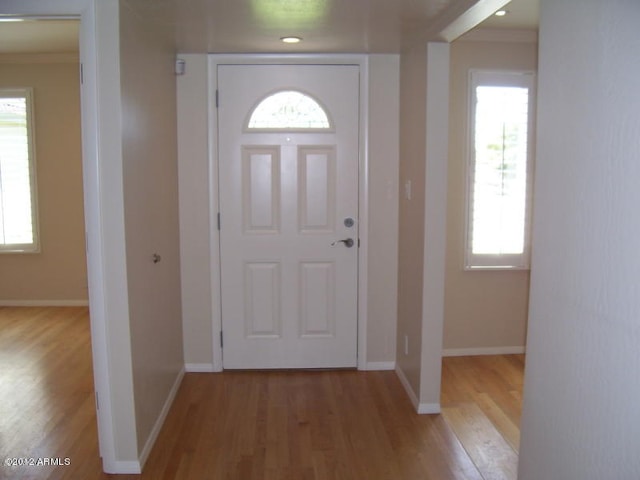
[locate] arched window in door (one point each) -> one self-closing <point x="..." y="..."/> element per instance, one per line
<point x="289" y="110"/>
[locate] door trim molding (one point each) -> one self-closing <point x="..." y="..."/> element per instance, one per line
<point x="363" y="183"/>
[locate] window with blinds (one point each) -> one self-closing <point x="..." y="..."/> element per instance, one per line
<point x="18" y="225"/>
<point x="500" y="169"/>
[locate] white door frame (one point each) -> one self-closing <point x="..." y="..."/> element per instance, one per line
<point x="94" y="50"/>
<point x="363" y="184"/>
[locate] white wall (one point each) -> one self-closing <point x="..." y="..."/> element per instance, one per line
<point x="581" y="419"/>
<point x="198" y="200"/>
<point x="435" y="219"/>
<point x="104" y="206"/>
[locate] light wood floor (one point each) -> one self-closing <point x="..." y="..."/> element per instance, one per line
<point x="257" y="425"/>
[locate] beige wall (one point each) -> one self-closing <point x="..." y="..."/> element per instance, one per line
<point x="424" y="86"/>
<point x="58" y="273"/>
<point x="150" y="173"/>
<point x="413" y="81"/>
<point x="384" y="150"/>
<point x="483" y="309"/>
<point x="195" y="233"/>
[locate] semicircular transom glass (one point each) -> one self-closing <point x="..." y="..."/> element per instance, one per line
<point x="289" y="110"/>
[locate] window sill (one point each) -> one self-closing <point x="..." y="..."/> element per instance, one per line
<point x="496" y="268"/>
<point x="19" y="251"/>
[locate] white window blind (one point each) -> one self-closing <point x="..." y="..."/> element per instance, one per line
<point x="500" y="168"/>
<point x="18" y="225"/>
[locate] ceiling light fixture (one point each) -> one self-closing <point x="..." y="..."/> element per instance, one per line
<point x="11" y="19"/>
<point x="500" y="13"/>
<point x="291" y="39"/>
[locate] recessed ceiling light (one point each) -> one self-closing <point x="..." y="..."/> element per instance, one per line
<point x="291" y="39"/>
<point x="500" y="13"/>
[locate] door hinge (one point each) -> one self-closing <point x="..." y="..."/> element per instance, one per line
<point x="217" y="99"/>
<point x="97" y="401"/>
<point x="81" y="74"/>
<point x="221" y="340"/>
<point x="358" y="243"/>
<point x="218" y="220"/>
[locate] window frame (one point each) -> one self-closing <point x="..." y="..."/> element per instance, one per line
<point x="505" y="78"/>
<point x="34" y="246"/>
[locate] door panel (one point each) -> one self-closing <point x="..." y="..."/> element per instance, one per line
<point x="261" y="189"/>
<point x="316" y="189"/>
<point x="289" y="291"/>
<point x="317" y="299"/>
<point x="262" y="300"/>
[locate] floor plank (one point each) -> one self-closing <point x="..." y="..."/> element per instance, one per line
<point x="257" y="425"/>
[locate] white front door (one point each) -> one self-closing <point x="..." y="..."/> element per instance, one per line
<point x="288" y="157"/>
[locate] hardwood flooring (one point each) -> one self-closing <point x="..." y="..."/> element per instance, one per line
<point x="47" y="405"/>
<point x="257" y="425"/>
<point x="481" y="401"/>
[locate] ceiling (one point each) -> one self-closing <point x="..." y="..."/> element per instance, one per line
<point x="255" y="26"/>
<point x="521" y="15"/>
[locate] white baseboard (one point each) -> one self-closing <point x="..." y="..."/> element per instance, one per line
<point x="44" y="303"/>
<point x="199" y="368"/>
<point x="153" y="436"/>
<point x="122" y="468"/>
<point x="421" y="408"/>
<point x="379" y="366"/>
<point x="428" y="408"/>
<point x="407" y="386"/>
<point x="464" y="352"/>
